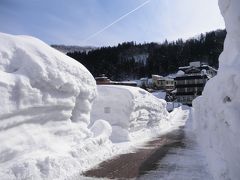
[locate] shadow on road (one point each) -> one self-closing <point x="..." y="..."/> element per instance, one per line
<point x="145" y="159"/>
<point x="174" y="140"/>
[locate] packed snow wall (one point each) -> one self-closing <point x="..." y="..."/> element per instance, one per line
<point x="38" y="81"/>
<point x="45" y="106"/>
<point x="217" y="111"/>
<point x="128" y="109"/>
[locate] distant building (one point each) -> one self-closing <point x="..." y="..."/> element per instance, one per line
<point x="156" y="79"/>
<point x="103" y="80"/>
<point x="190" y="84"/>
<point x="144" y="82"/>
<point x="163" y="83"/>
<point x="203" y="67"/>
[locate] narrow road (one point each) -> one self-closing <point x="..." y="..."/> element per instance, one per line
<point x="135" y="165"/>
<point x="173" y="156"/>
<point x="185" y="162"/>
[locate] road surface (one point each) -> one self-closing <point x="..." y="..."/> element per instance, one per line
<point x="171" y="156"/>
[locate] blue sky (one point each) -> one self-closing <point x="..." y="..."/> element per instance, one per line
<point x="91" y="22"/>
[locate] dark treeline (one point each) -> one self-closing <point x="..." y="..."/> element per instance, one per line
<point x="132" y="61"/>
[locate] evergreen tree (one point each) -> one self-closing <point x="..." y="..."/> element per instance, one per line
<point x="119" y="63"/>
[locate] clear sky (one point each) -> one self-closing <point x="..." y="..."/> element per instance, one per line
<point x="109" y="22"/>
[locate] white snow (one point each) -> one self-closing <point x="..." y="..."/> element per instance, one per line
<point x="41" y="81"/>
<point x="184" y="160"/>
<point x="128" y="109"/>
<point x="47" y="129"/>
<point x="46" y="100"/>
<point x="101" y="130"/>
<point x="170" y="105"/>
<point x="159" y="94"/>
<point x="141" y="58"/>
<point x="45" y="108"/>
<point x="217" y="111"/>
<point x="179" y="73"/>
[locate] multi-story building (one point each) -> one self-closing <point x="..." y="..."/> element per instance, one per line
<point x="163" y="83"/>
<point x="190" y="84"/>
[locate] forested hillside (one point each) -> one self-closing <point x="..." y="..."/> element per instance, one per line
<point x="67" y="49"/>
<point x="131" y="61"/>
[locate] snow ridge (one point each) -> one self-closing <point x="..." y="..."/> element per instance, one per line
<point x="217" y="110"/>
<point x="36" y="76"/>
<point x="46" y="100"/>
<point x="128" y="109"/>
<point x="45" y="109"/>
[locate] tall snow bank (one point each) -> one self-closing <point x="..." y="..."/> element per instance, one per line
<point x="45" y="108"/>
<point x="40" y="81"/>
<point x="217" y="111"/>
<point x="128" y="109"/>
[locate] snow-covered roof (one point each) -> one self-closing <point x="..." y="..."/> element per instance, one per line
<point x="184" y="67"/>
<point x="143" y="79"/>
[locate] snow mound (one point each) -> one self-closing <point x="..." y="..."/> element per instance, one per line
<point x="217" y="111"/>
<point x="46" y="99"/>
<point x="38" y="81"/>
<point x="102" y="130"/>
<point x="128" y="109"/>
<point x="159" y="94"/>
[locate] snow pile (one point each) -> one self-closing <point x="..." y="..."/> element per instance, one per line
<point x="180" y="73"/>
<point x="45" y="108"/>
<point x="217" y="111"/>
<point x="159" y="94"/>
<point x="172" y="105"/>
<point x="39" y="81"/>
<point x="128" y="109"/>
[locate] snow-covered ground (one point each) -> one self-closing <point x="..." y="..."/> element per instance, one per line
<point x="217" y="112"/>
<point x="185" y="159"/>
<point x="159" y="94"/>
<point x="45" y="110"/>
<point x="128" y="109"/>
<point x="170" y="105"/>
<point x="46" y="100"/>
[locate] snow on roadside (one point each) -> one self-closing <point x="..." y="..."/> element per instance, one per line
<point x="170" y="105"/>
<point x="46" y="100"/>
<point x="128" y="109"/>
<point x="159" y="94"/>
<point x="177" y="118"/>
<point x="184" y="159"/>
<point x="216" y="112"/>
